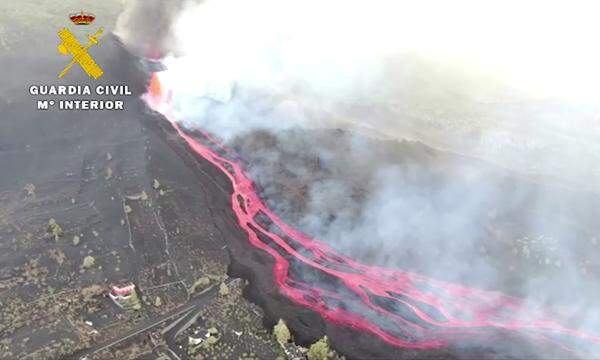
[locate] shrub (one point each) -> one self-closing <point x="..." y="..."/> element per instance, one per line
<point x="281" y="332"/>
<point x="319" y="350"/>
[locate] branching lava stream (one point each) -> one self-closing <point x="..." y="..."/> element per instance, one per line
<point x="405" y="309"/>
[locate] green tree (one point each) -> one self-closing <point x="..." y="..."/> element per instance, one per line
<point x="54" y="229"/>
<point x="282" y="333"/>
<point x="319" y="350"/>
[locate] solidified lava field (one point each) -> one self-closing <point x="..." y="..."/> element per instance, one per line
<point x="292" y="212"/>
<point x="84" y="168"/>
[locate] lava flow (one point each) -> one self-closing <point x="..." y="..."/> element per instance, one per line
<point x="405" y="309"/>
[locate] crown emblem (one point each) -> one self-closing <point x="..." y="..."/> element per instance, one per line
<point x="82" y="18"/>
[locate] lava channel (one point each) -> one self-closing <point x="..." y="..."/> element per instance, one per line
<point x="405" y="309"/>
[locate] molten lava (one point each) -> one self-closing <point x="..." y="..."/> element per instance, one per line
<point x="404" y="309"/>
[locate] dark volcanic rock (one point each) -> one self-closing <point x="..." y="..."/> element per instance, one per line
<point x="64" y="154"/>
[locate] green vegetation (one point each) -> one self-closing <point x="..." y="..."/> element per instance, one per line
<point x="319" y="350"/>
<point x="88" y="262"/>
<point x="199" y="284"/>
<point x="223" y="289"/>
<point x="132" y="302"/>
<point x="281" y="332"/>
<point x="54" y="229"/>
<point x="210" y="341"/>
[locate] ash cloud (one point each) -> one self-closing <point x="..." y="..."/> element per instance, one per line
<point x="145" y="26"/>
<point x="503" y="195"/>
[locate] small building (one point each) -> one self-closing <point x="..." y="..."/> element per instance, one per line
<point x="125" y="296"/>
<point x="194" y="341"/>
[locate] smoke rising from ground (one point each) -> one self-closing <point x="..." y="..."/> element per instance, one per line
<point x="501" y="82"/>
<point x="146" y="26"/>
<point x="455" y="75"/>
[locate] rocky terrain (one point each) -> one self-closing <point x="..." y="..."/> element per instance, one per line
<point x="93" y="199"/>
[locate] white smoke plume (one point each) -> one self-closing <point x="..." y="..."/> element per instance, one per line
<point x="514" y="83"/>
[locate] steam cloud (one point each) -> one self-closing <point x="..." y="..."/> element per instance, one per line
<point x="146" y="26"/>
<point x="453" y="75"/>
<point x="501" y="82"/>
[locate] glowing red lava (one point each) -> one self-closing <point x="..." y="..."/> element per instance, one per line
<point x="405" y="309"/>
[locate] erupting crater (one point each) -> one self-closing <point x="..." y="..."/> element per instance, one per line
<point x="404" y="309"/>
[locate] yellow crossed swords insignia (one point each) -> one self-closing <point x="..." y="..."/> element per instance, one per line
<point x="70" y="45"/>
